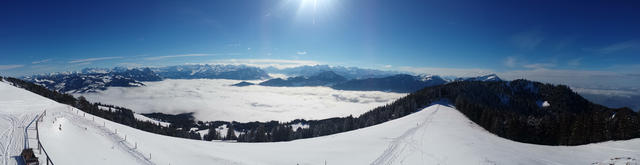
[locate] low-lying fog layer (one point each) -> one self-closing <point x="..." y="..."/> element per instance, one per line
<point x="215" y="99"/>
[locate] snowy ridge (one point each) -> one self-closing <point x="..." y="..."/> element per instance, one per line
<point x="17" y="109"/>
<point x="154" y="121"/>
<point x="438" y="134"/>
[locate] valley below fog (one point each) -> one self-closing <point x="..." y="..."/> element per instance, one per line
<point x="216" y="99"/>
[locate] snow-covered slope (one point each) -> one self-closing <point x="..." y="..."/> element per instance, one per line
<point x="438" y="134"/>
<point x="17" y="109"/>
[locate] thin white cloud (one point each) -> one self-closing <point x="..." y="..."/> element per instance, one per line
<point x="93" y="59"/>
<point x="301" y="52"/>
<point x="632" y="44"/>
<point x="510" y="61"/>
<point x="41" y="61"/>
<point x="515" y="62"/>
<point x="7" y="67"/>
<point x="608" y="92"/>
<point x="575" y="62"/>
<point x="539" y="65"/>
<point x="528" y="39"/>
<point x="177" y="56"/>
<point x="387" y="66"/>
<point x="262" y="63"/>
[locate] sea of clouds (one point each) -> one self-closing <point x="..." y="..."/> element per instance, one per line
<point x="215" y="99"/>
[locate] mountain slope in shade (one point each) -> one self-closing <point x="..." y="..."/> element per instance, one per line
<point x="401" y="83"/>
<point x="347" y="72"/>
<point x="438" y="134"/>
<point x="327" y="78"/>
<point x="242" y="84"/>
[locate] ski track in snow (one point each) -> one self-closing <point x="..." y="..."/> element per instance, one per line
<point x="12" y="139"/>
<point x="399" y="144"/>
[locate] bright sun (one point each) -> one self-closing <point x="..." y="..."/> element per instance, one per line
<point x="313" y="8"/>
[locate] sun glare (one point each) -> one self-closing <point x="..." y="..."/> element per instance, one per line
<point x="313" y="9"/>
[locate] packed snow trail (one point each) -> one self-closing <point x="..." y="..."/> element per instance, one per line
<point x="12" y="139"/>
<point x="399" y="144"/>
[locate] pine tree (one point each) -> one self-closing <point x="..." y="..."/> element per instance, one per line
<point x="231" y="133"/>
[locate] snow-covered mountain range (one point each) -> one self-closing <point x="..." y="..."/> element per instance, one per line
<point x="94" y="79"/>
<point x="91" y="80"/>
<point x="326" y="78"/>
<point x="347" y="72"/>
<point x="401" y="83"/>
<point x="234" y="72"/>
<point x="337" y="77"/>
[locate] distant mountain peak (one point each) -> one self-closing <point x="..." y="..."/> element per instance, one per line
<point x="488" y="77"/>
<point x="428" y="77"/>
<point x="325" y="78"/>
<point x="328" y="75"/>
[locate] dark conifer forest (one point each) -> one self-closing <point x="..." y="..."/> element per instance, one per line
<point x="509" y="109"/>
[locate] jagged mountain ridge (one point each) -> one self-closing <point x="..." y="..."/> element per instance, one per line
<point x="235" y="72"/>
<point x="343" y="78"/>
<point x="91" y="81"/>
<point x="401" y="83"/>
<point x="94" y="79"/>
<point x="326" y="78"/>
<point x="347" y="72"/>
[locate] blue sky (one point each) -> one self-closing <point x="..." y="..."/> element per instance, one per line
<point x="571" y="42"/>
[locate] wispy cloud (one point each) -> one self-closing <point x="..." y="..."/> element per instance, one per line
<point x="608" y="92"/>
<point x="510" y="61"/>
<point x="177" y="56"/>
<point x="515" y="62"/>
<point x="632" y="44"/>
<point x="575" y="62"/>
<point x="301" y="52"/>
<point x="41" y="61"/>
<point x="93" y="59"/>
<point x="262" y="63"/>
<point x="539" y="65"/>
<point x="7" y="67"/>
<point x="528" y="39"/>
<point x="387" y="66"/>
